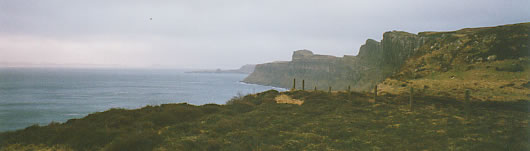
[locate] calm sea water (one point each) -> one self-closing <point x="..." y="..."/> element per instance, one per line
<point x="41" y="95"/>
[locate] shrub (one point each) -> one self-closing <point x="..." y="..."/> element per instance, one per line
<point x="516" y="67"/>
<point x="238" y="98"/>
<point x="135" y="142"/>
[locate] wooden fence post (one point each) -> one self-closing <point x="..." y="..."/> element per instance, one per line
<point x="467" y="102"/>
<point x="294" y="84"/>
<point x="411" y="100"/>
<point x="303" y="85"/>
<point x="375" y="93"/>
<point x="329" y="90"/>
<point x="467" y="95"/>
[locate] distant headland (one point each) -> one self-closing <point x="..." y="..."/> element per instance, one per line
<point x="246" y="69"/>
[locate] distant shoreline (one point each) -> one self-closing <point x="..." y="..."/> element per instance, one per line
<point x="216" y="72"/>
<point x="273" y="87"/>
<point x="246" y="69"/>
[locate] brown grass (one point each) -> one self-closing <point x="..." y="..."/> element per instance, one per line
<point x="288" y="100"/>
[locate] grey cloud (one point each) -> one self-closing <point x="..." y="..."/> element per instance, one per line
<point x="232" y="32"/>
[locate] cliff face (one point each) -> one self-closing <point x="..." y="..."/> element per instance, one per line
<point x="376" y="60"/>
<point x="316" y="70"/>
<point x="491" y="62"/>
<point x="447" y="51"/>
<point x="404" y="56"/>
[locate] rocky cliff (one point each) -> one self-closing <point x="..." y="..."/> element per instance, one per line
<point x="376" y="61"/>
<point x="317" y="70"/>
<point x="491" y="62"/>
<point x="404" y="57"/>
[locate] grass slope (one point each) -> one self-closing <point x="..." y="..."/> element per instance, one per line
<point x="336" y="121"/>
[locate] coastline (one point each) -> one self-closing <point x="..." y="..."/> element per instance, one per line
<point x="280" y="89"/>
<point x="61" y="96"/>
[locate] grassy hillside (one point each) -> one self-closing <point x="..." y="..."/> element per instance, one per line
<point x="336" y="121"/>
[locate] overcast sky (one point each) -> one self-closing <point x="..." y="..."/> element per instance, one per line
<point x="222" y="33"/>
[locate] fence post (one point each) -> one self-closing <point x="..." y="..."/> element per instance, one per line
<point x="315" y="88"/>
<point x="411" y="98"/>
<point x="349" y="89"/>
<point x="329" y="90"/>
<point x="467" y="102"/>
<point x="467" y="95"/>
<point x="294" y="84"/>
<point x="375" y="93"/>
<point x="303" y="85"/>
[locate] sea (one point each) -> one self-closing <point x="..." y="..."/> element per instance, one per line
<point x="31" y="96"/>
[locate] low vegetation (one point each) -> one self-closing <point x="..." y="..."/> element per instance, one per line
<point x="336" y="121"/>
<point x="499" y="80"/>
